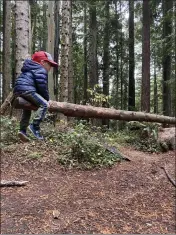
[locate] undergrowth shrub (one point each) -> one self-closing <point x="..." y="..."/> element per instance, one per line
<point x="83" y="145"/>
<point x="81" y="148"/>
<point x="9" y="129"/>
<point x="144" y="137"/>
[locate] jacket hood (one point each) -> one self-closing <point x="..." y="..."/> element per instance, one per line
<point x="29" y="65"/>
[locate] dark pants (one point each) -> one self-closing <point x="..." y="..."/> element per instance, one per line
<point x="42" y="105"/>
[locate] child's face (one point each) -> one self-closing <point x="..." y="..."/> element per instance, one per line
<point x="46" y="65"/>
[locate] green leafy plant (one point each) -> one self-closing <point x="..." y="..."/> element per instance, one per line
<point x="96" y="97"/>
<point x="9" y="129"/>
<point x="85" y="150"/>
<point x="144" y="136"/>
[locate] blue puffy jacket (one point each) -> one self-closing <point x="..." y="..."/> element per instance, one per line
<point x="33" y="78"/>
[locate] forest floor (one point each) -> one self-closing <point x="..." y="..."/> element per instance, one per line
<point x="128" y="198"/>
<point x="131" y="197"/>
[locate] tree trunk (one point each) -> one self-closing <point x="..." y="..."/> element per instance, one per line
<point x="44" y="34"/>
<point x="75" y="110"/>
<point x="1" y="26"/>
<point x="30" y="32"/>
<point x="13" y="54"/>
<point x="50" y="48"/>
<point x="85" y="54"/>
<point x="117" y="56"/>
<point x="174" y="98"/>
<point x="155" y="85"/>
<point x="131" y="90"/>
<point x="70" y="58"/>
<point x="93" y="79"/>
<point x="6" y="49"/>
<point x="22" y="33"/>
<point x="125" y="98"/>
<point x="145" y="89"/>
<point x="106" y="59"/>
<point x="34" y="12"/>
<point x="64" y="67"/>
<point x="64" y="52"/>
<point x="121" y="61"/>
<point x="56" y="46"/>
<point x="167" y="32"/>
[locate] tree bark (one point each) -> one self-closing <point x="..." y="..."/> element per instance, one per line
<point x="121" y="44"/>
<point x="145" y="91"/>
<point x="155" y="85"/>
<point x="34" y="10"/>
<point x="50" y="47"/>
<point x="30" y="32"/>
<point x="93" y="79"/>
<point x="64" y="67"/>
<point x="174" y="99"/>
<point x="1" y="26"/>
<point x="44" y="33"/>
<point x="117" y="55"/>
<point x="131" y="90"/>
<point x="13" y="45"/>
<point x="85" y="54"/>
<point x="22" y="33"/>
<point x="70" y="58"/>
<point x="106" y="60"/>
<point x="56" y="47"/>
<point x="167" y="55"/>
<point x="106" y="53"/>
<point x="75" y="110"/>
<point x="6" y="49"/>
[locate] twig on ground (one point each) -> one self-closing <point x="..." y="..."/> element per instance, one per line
<point x="11" y="183"/>
<point x="168" y="176"/>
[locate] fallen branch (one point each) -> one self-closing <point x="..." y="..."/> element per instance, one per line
<point x="168" y="176"/>
<point x="87" y="111"/>
<point x="11" y="183"/>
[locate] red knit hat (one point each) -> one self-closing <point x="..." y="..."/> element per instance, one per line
<point x="42" y="55"/>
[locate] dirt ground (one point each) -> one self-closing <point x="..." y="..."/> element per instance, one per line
<point x="130" y="198"/>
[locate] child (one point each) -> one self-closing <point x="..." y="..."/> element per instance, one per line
<point x="32" y="85"/>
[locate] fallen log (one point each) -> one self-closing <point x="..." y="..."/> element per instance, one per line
<point x="86" y="111"/>
<point x="11" y="183"/>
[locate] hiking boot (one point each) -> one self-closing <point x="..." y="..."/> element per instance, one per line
<point x="35" y="131"/>
<point x="23" y="136"/>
